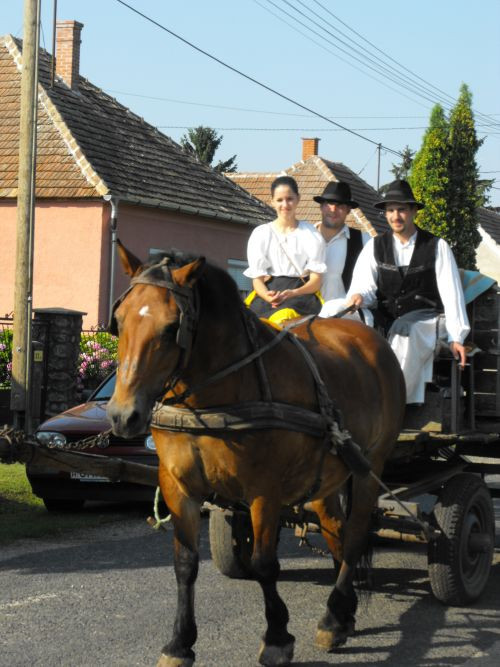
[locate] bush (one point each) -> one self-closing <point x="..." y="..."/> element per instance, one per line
<point x="5" y="357"/>
<point x="98" y="353"/>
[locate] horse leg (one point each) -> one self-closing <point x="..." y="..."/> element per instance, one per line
<point x="338" y="622"/>
<point x="277" y="646"/>
<point x="186" y="521"/>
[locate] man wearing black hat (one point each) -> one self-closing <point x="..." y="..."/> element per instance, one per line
<point x="343" y="244"/>
<point x="411" y="276"/>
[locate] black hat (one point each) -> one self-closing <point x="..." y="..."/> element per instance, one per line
<point x="337" y="191"/>
<point x="399" y="191"/>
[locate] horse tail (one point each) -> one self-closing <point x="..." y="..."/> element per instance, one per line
<point x="363" y="573"/>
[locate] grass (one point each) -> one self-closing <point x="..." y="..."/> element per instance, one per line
<point x="23" y="515"/>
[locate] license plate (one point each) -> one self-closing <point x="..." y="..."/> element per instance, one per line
<point x="86" y="477"/>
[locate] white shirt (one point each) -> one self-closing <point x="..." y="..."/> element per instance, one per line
<point x="332" y="286"/>
<point x="364" y="282"/>
<point x="296" y="253"/>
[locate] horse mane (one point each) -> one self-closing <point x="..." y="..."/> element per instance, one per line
<point x="216" y="287"/>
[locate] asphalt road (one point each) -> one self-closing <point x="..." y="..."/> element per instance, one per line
<point x="106" y="597"/>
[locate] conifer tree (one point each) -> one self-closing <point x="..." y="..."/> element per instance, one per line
<point x="202" y="142"/>
<point x="463" y="194"/>
<point x="429" y="176"/>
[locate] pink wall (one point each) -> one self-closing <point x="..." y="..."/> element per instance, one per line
<point x="140" y="229"/>
<point x="67" y="260"/>
<point x="72" y="250"/>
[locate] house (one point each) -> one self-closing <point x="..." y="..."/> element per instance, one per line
<point x="312" y="174"/>
<point x="488" y="251"/>
<point x="91" y="149"/>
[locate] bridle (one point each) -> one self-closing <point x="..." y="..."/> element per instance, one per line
<point x="186" y="299"/>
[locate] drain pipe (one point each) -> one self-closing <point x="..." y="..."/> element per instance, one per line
<point x="113" y="228"/>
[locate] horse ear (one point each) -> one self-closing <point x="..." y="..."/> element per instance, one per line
<point x="188" y="274"/>
<point x="130" y="263"/>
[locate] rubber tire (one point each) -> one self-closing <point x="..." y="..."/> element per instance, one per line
<point x="231" y="543"/>
<point x="458" y="576"/>
<point x="63" y="505"/>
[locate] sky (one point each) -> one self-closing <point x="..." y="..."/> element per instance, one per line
<point x="380" y="81"/>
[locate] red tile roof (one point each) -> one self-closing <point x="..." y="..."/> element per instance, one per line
<point x="90" y="145"/>
<point x="312" y="175"/>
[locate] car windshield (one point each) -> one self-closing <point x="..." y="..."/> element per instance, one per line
<point x="105" y="391"/>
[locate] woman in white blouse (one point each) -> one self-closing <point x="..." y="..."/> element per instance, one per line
<point x="286" y="260"/>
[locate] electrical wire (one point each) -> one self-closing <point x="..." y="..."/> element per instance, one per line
<point x="400" y="65"/>
<point x="378" y="67"/>
<point x="322" y="46"/>
<point x="249" y="78"/>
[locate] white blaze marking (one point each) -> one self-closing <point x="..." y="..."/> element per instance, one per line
<point x="144" y="311"/>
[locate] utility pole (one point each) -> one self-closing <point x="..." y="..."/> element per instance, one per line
<point x="379" y="148"/>
<point x="21" y="343"/>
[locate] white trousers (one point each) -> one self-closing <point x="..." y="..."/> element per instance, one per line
<point x="415" y="354"/>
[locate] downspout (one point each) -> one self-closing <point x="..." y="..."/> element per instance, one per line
<point x="113" y="228"/>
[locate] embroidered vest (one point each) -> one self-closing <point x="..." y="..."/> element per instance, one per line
<point x="354" y="247"/>
<point x="406" y="288"/>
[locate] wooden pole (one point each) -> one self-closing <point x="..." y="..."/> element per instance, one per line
<point x="379" y="148"/>
<point x="21" y="355"/>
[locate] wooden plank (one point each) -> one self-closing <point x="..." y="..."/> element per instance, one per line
<point x="487" y="361"/>
<point x="487" y="404"/>
<point x="486" y="382"/>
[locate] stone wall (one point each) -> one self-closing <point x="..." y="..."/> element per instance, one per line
<point x="59" y="330"/>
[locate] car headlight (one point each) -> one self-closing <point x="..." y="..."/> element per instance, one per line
<point x="51" y="438"/>
<point x="149" y="443"/>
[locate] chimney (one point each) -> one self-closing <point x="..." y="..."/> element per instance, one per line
<point x="68" y="51"/>
<point x="309" y="148"/>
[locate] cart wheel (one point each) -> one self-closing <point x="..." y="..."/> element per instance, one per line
<point x="63" y="505"/>
<point x="231" y="543"/>
<point x="460" y="558"/>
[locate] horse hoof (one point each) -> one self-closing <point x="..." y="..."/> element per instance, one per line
<point x="332" y="639"/>
<point x="276" y="655"/>
<point x="172" y="661"/>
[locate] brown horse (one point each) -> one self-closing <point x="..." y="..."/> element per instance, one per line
<point x="180" y="323"/>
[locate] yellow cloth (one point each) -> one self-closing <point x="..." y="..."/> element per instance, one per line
<point x="248" y="299"/>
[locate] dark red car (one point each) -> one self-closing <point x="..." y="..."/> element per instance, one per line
<point x="65" y="491"/>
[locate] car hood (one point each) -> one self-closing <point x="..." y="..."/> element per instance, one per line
<point x="86" y="418"/>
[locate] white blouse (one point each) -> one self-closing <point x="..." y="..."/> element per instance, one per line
<point x="364" y="282"/>
<point x="296" y="253"/>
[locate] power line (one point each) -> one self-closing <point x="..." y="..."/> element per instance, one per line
<point x="249" y="78"/>
<point x="296" y="129"/>
<point x="400" y="65"/>
<point x="322" y="46"/>
<point x="380" y="67"/>
<point x="264" y="111"/>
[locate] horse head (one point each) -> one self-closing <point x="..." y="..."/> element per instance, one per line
<point x="154" y="319"/>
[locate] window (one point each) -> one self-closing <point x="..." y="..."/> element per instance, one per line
<point x="235" y="268"/>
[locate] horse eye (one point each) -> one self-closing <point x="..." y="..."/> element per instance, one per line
<point x="169" y="332"/>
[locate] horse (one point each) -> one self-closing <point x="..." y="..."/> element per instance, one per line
<point x="187" y="340"/>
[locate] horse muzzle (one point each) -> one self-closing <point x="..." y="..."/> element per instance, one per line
<point x="128" y="420"/>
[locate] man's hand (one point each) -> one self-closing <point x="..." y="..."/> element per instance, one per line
<point x="356" y="300"/>
<point x="458" y="351"/>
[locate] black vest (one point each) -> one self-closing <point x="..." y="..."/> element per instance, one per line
<point x="403" y="289"/>
<point x="354" y="247"/>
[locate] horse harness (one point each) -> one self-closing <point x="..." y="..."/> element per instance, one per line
<point x="248" y="415"/>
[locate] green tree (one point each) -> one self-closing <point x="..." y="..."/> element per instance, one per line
<point x="429" y="177"/>
<point x="464" y="194"/>
<point x="203" y="142"/>
<point x="402" y="169"/>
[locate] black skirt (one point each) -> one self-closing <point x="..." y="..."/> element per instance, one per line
<point x="304" y="304"/>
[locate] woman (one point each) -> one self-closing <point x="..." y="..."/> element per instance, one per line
<point x="286" y="260"/>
